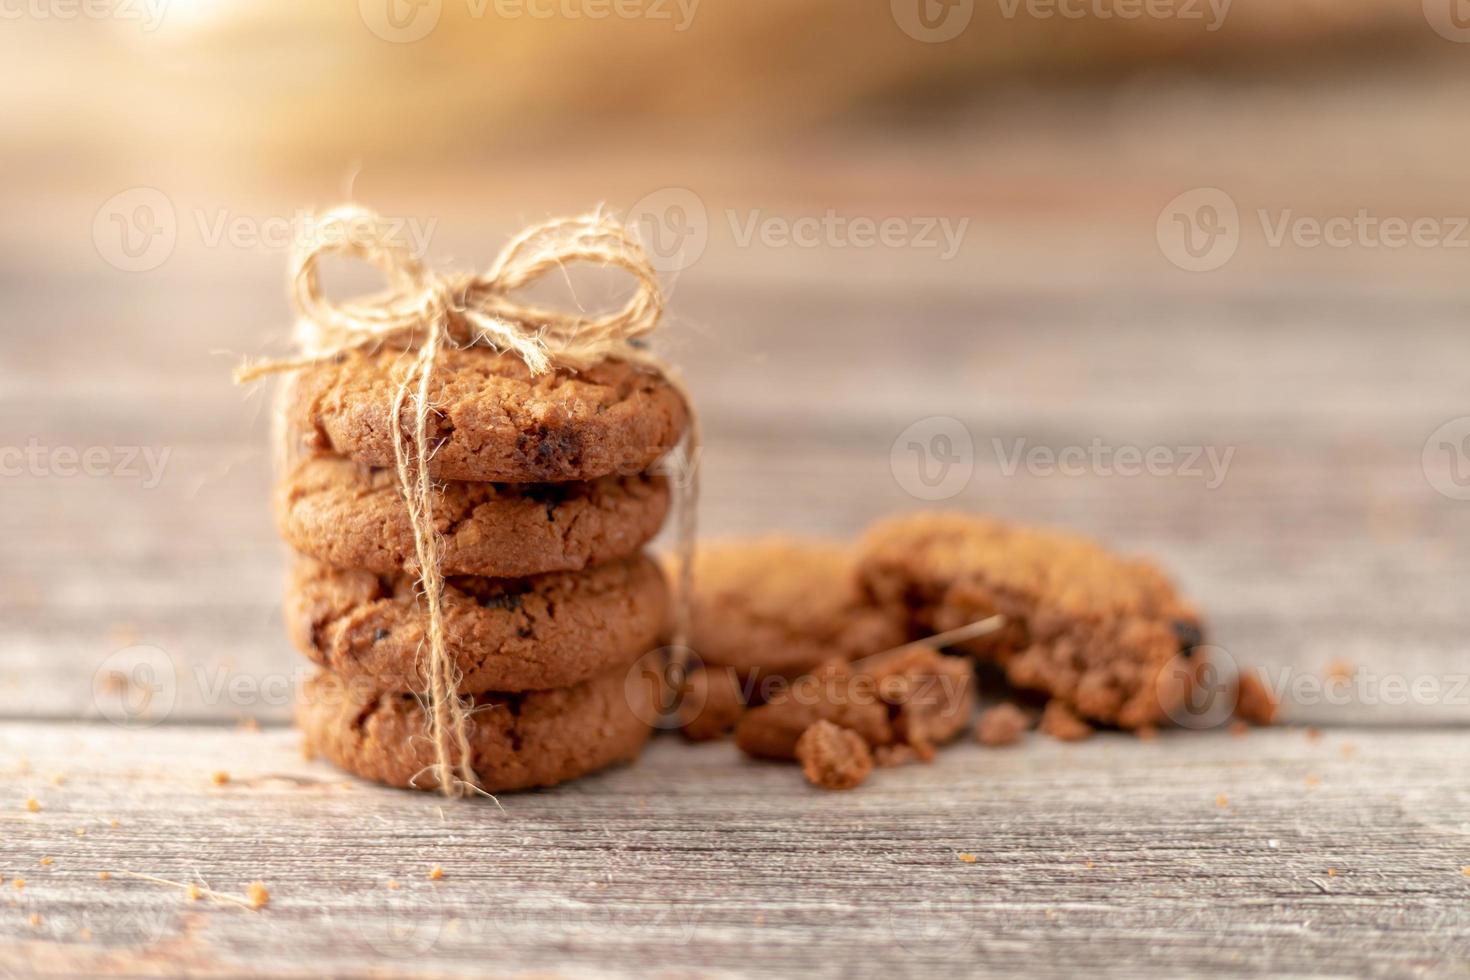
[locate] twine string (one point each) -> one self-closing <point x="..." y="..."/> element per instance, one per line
<point x="424" y="312"/>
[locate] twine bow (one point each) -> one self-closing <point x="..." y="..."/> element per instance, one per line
<point x="423" y="311"/>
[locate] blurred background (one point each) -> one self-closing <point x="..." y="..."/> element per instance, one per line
<point x="895" y="234"/>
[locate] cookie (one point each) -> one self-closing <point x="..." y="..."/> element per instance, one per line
<point x="492" y="420"/>
<point x="914" y="698"/>
<point x="503" y="634"/>
<point x="781" y="606"/>
<point x="1107" y="636"/>
<point x="517" y="741"/>
<point x="353" y="516"/>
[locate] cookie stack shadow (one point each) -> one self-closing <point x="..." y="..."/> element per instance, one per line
<point x="545" y="498"/>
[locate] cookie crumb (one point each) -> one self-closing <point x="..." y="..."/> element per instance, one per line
<point x="1341" y="670"/>
<point x="220" y="778"/>
<point x="1058" y="721"/>
<point x="80" y="831"/>
<point x="393" y="884"/>
<point x="436" y="873"/>
<point x="1313" y="781"/>
<point x="35" y="920"/>
<point x="1313" y="734"/>
<point x="1090" y="865"/>
<point x="58" y="780"/>
<point x="33" y="804"/>
<point x="114" y="823"/>
<point x="967" y="858"/>
<point x="833" y="757"/>
<point x="18" y="884"/>
<point x="249" y="725"/>
<point x="1349" y="750"/>
<point x="1001" y="725"/>
<point x="104" y="875"/>
<point x="1222" y="801"/>
<point x="192" y="892"/>
<point x="1465" y="871"/>
<point x="46" y="862"/>
<point x="257" y="894"/>
<point x="1332" y="872"/>
<point x="1146" y="733"/>
<point x="1239" y="728"/>
<point x="85" y="935"/>
<point x="1254" y="701"/>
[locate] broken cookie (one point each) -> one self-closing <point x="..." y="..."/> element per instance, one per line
<point x="913" y="697"/>
<point x="1106" y="636"/>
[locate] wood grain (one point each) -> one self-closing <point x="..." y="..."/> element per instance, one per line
<point x="1192" y="855"/>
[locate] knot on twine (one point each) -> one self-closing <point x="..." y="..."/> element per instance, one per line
<point x="423" y="311"/>
<point x="420" y="308"/>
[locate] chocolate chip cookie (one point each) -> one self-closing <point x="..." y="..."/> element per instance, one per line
<point x="783" y="605"/>
<point x="912" y="699"/>
<point x="352" y="516"/>
<point x="503" y="634"/>
<point x="1102" y="634"/>
<point x="492" y="420"/>
<point x="517" y="741"/>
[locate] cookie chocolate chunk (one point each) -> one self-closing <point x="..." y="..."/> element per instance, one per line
<point x="503" y="634"/>
<point x="781" y="606"/>
<point x="1093" y="630"/>
<point x="352" y="516"/>
<point x="491" y="419"/>
<point x="517" y="741"/>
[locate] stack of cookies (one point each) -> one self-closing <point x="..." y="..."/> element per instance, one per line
<point x="544" y="500"/>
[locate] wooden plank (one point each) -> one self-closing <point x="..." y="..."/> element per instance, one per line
<point x="1201" y="856"/>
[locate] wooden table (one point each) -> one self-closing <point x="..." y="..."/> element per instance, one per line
<point x="1325" y="553"/>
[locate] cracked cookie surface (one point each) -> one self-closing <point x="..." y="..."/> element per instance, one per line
<point x="492" y="420"/>
<point x="782" y="606"/>
<point x="517" y="741"/>
<point x="352" y="516"/>
<point x="503" y="634"/>
<point x="1107" y="636"/>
